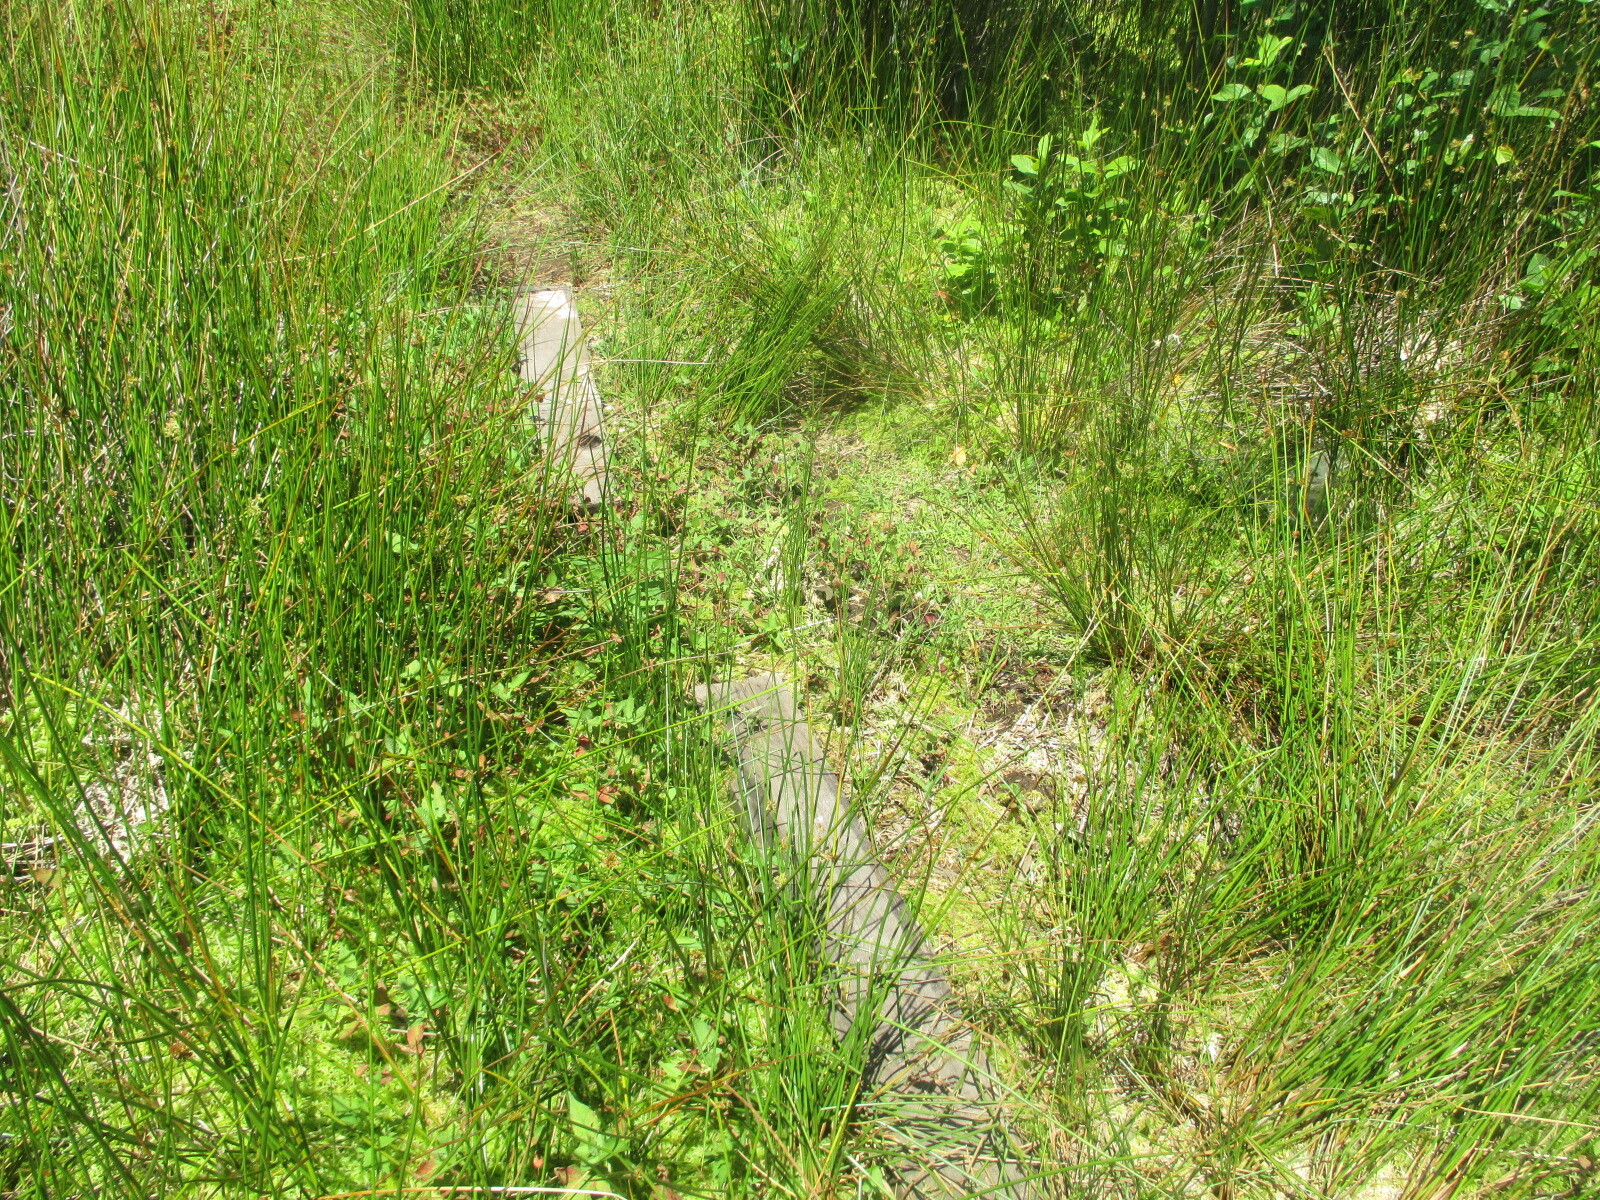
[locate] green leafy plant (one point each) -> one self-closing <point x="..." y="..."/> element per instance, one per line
<point x="1074" y="212"/>
<point x="968" y="272"/>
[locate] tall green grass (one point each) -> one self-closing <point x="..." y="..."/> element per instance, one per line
<point x="1323" y="498"/>
<point x="269" y="538"/>
<point x="355" y="839"/>
<point x="1276" y="330"/>
<point x="472" y="44"/>
<point x="1289" y="326"/>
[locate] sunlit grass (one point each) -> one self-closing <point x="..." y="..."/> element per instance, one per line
<point x="359" y="833"/>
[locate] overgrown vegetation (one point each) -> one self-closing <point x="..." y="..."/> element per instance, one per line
<point x="1160" y="437"/>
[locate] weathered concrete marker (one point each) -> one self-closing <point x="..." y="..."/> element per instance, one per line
<point x="555" y="360"/>
<point x="924" y="1066"/>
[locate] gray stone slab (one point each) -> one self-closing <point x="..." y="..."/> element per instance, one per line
<point x="555" y="362"/>
<point x="926" y="1072"/>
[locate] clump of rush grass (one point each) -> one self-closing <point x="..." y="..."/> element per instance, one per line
<point x="468" y="44"/>
<point x="259" y="548"/>
<point x="1317" y="502"/>
<point x="354" y="840"/>
<point x="1292" y="359"/>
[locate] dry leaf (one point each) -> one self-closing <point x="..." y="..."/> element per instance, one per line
<point x="354" y="1031"/>
<point x="414" y="1038"/>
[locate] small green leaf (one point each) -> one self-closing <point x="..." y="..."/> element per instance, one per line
<point x="1330" y="199"/>
<point x="1507" y="102"/>
<point x="1326" y="160"/>
<point x="1232" y="92"/>
<point x="594" y="1146"/>
<point x="585" y="1121"/>
<point x="1025" y="164"/>
<point x="1273" y="95"/>
<point x="1538" y="276"/>
<point x="1268" y="48"/>
<point x="705" y="1043"/>
<point x="875" y="1177"/>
